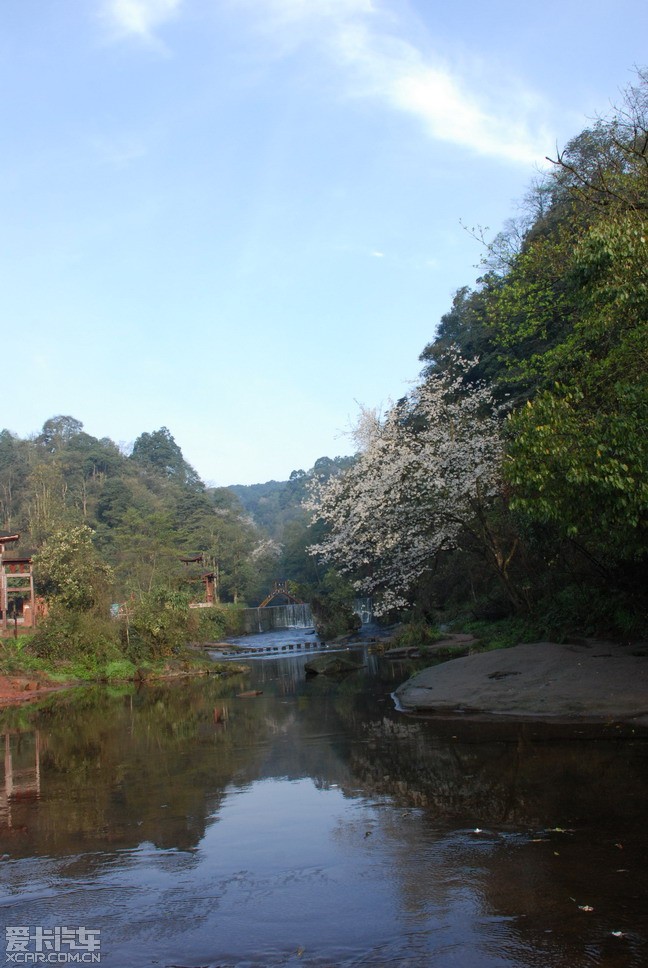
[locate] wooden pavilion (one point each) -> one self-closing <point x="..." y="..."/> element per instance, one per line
<point x="208" y="578"/>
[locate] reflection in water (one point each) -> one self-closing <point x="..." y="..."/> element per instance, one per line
<point x="316" y="825"/>
<point x="21" y="773"/>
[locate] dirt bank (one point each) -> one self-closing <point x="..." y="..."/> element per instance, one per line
<point x="20" y="689"/>
<point x="592" y="681"/>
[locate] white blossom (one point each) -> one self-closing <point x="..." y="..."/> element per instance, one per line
<point x="427" y="472"/>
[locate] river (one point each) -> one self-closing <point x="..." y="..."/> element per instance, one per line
<point x="314" y="824"/>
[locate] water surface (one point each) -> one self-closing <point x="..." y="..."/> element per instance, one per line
<point x="315" y="825"/>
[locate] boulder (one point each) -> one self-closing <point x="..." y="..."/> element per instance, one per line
<point x="331" y="665"/>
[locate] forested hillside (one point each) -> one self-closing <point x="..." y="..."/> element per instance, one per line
<point x="276" y="505"/>
<point x="146" y="509"/>
<point x="149" y="508"/>
<point x="142" y="529"/>
<point x="514" y="476"/>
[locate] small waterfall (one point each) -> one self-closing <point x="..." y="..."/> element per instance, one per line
<point x="364" y="608"/>
<point x="273" y="617"/>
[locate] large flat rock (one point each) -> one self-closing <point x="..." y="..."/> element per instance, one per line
<point x="591" y="681"/>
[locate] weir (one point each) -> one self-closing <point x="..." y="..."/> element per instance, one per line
<point x="273" y="617"/>
<point x="293" y="616"/>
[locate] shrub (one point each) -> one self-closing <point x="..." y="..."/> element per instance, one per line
<point x="417" y="634"/>
<point x="73" y="635"/>
<point x="158" y="625"/>
<point x="505" y="633"/>
<point x="120" y="669"/>
<point x="219" y="622"/>
<point x="332" y="607"/>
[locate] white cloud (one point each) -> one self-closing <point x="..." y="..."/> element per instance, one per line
<point x="381" y="63"/>
<point x="451" y="115"/>
<point x="140" y="17"/>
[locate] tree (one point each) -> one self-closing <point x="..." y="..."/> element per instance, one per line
<point x="57" y="431"/>
<point x="14" y="470"/>
<point x="466" y="327"/>
<point x="578" y="455"/>
<point x="70" y="572"/>
<point x="146" y="549"/>
<point x="605" y="167"/>
<point x="47" y="510"/>
<point x="429" y="473"/>
<point x="158" y="451"/>
<point x="157" y="624"/>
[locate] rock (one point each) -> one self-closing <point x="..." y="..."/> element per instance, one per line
<point x="331" y="665"/>
<point x="590" y="682"/>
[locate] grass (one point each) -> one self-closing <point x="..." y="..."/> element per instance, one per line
<point x="417" y="635"/>
<point x="502" y="633"/>
<point x="16" y="660"/>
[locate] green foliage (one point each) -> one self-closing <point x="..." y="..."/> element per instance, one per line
<point x="578" y="457"/>
<point x="533" y="309"/>
<point x="158" y="451"/>
<point x="276" y="506"/>
<point x="416" y="634"/>
<point x="76" y="637"/>
<point x="579" y="450"/>
<point x="45" y="507"/>
<point x="584" y="466"/>
<point x="219" y="623"/>
<point x="146" y="511"/>
<point x="158" y="625"/>
<point x="14" y="472"/>
<point x="592" y="611"/>
<point x="507" y="632"/>
<point x="332" y="607"/>
<point x="71" y="573"/>
<point x="120" y="669"/>
<point x="57" y="431"/>
<point x="16" y="656"/>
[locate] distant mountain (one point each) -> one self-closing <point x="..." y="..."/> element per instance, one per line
<point x="275" y="504"/>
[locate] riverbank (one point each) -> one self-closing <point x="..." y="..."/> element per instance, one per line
<point x="19" y="688"/>
<point x="591" y="681"/>
<point x="15" y="690"/>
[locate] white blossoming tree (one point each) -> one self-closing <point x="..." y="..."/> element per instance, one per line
<point x="428" y="474"/>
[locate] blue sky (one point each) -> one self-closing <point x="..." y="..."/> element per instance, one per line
<point x="242" y="218"/>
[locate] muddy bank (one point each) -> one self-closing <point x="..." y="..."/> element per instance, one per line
<point x="592" y="681"/>
<point x="19" y="689"/>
